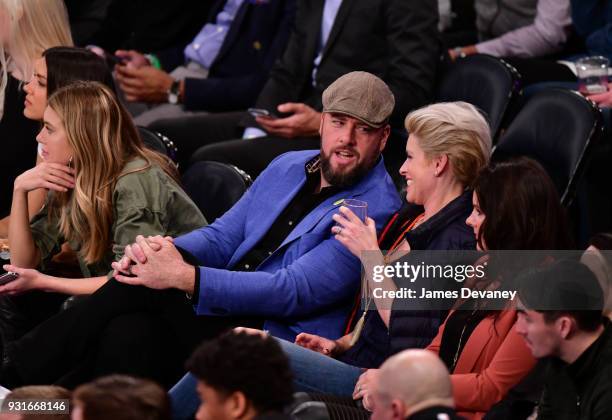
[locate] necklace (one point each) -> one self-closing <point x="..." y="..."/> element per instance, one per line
<point x="456" y="357"/>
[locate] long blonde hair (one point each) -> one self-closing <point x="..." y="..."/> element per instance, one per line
<point x="103" y="139"/>
<point x="34" y="26"/>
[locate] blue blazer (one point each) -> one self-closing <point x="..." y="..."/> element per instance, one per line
<point x="257" y="37"/>
<point x="310" y="281"/>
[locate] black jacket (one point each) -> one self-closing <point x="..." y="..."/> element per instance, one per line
<point x="256" y="39"/>
<point x="395" y="39"/>
<point x="582" y="390"/>
<point x="446" y="230"/>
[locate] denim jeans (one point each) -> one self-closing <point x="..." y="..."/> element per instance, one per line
<point x="312" y="372"/>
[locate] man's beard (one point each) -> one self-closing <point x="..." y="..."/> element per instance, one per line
<point x="345" y="178"/>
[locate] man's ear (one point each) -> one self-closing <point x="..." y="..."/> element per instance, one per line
<point x="398" y="410"/>
<point x="566" y="326"/>
<point x="321" y="124"/>
<point x="385" y="137"/>
<point x="238" y="405"/>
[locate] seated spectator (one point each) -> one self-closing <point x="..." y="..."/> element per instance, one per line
<point x="143" y="25"/>
<point x="241" y="376"/>
<point x="397" y="41"/>
<point x="513" y="28"/>
<point x="58" y="67"/>
<point x="104" y="187"/>
<point x="37" y="393"/>
<point x="491" y="358"/>
<point x="560" y="317"/>
<point x="413" y="384"/>
<point x="222" y="69"/>
<point x="27" y="28"/>
<point x="598" y="257"/>
<point x="272" y="257"/>
<point x="449" y="145"/>
<point x="120" y="397"/>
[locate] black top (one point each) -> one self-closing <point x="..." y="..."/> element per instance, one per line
<point x="302" y="204"/>
<point x="18" y="139"/>
<point x="459" y="326"/>
<point x="446" y="230"/>
<point x="582" y="390"/>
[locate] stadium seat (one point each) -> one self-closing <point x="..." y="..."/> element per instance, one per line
<point x="487" y="82"/>
<point x="159" y="143"/>
<point x="215" y="187"/>
<point x="559" y="128"/>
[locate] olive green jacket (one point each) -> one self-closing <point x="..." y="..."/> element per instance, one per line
<point x="145" y="202"/>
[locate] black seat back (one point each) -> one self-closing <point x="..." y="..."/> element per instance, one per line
<point x="487" y="82"/>
<point x="158" y="142"/>
<point x="558" y="128"/>
<point x="214" y="186"/>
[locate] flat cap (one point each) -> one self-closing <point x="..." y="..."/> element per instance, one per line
<point x="360" y="95"/>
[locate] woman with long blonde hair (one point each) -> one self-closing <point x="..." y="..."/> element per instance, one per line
<point x="27" y="28"/>
<point x="104" y="187"/>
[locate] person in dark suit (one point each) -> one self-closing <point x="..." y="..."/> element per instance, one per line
<point x="222" y="69"/>
<point x="396" y="40"/>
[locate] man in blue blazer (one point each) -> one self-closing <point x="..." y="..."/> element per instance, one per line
<point x="272" y="256"/>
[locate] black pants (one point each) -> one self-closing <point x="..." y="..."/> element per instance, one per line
<point x="19" y="314"/>
<point x="103" y="334"/>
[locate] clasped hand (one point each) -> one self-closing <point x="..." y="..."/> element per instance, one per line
<point x="154" y="262"/>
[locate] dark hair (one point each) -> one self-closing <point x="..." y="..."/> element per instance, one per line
<point x="563" y="288"/>
<point x="69" y="64"/>
<point x="602" y="241"/>
<point x="522" y="208"/>
<point x="250" y="364"/>
<point x="121" y="397"/>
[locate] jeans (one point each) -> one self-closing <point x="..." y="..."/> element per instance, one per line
<point x="312" y="372"/>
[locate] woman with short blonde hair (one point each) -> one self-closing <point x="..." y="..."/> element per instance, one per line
<point x="456" y="129"/>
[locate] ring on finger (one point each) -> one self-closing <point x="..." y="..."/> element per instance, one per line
<point x="338" y="230"/>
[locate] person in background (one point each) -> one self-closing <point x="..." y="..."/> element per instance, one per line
<point x="519" y="28"/>
<point x="397" y="41"/>
<point x="37" y="393"/>
<point x="58" y="67"/>
<point x="120" y="397"/>
<point x="222" y="69"/>
<point x="560" y="318"/>
<point x="413" y="385"/>
<point x="27" y="28"/>
<point x="241" y="376"/>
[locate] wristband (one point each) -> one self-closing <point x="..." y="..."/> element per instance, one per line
<point x="154" y="61"/>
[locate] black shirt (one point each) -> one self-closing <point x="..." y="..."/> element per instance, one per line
<point x="459" y="326"/>
<point x="308" y="198"/>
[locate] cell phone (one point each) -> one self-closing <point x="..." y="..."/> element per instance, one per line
<point x="114" y="60"/>
<point x="260" y="112"/>
<point x="8" y="277"/>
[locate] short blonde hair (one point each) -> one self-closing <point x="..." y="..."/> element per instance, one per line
<point x="457" y="130"/>
<point x="34" y="26"/>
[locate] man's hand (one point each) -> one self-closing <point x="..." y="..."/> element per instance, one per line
<point x="464" y="51"/>
<point x="365" y="387"/>
<point x="145" y="84"/>
<point x="133" y="59"/>
<point x="316" y="343"/>
<point x="164" y="267"/>
<point x="251" y="331"/>
<point x="604" y="100"/>
<point x="305" y="121"/>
